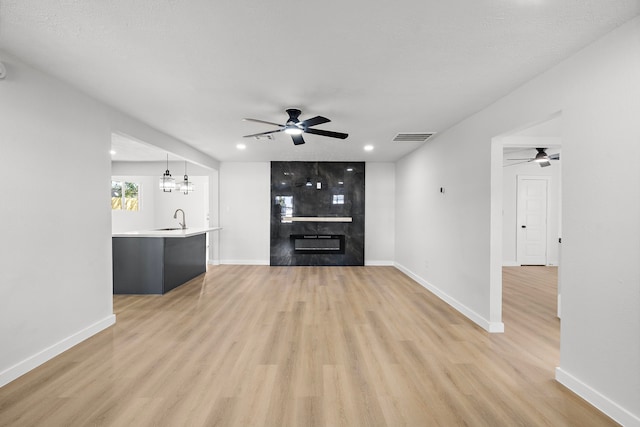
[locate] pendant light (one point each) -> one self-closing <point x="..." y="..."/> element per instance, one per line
<point x="186" y="186"/>
<point x="167" y="182"/>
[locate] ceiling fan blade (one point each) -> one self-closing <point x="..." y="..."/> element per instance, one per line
<point x="262" y="121"/>
<point x="544" y="164"/>
<point x="516" y="163"/>
<point x="529" y="159"/>
<point x="263" y="133"/>
<point x="554" y="156"/>
<point x="297" y="139"/>
<point x="317" y="120"/>
<point x="327" y="133"/>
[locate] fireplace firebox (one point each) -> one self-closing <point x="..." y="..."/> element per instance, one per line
<point x="317" y="243"/>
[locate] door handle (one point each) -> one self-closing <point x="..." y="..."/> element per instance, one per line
<point x="523" y="226"/>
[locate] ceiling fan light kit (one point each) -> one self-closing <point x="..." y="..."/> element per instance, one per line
<point x="293" y="130"/>
<point x="296" y="128"/>
<point x="541" y="157"/>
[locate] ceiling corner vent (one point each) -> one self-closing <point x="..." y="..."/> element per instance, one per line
<point x="413" y="136"/>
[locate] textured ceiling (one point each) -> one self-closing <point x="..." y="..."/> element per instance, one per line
<point x="194" y="69"/>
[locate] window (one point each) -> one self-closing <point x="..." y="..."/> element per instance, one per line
<point x="338" y="199"/>
<point x="125" y="196"/>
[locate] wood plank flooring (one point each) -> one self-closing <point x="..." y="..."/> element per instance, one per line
<point x="308" y="346"/>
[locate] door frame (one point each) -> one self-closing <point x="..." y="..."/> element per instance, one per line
<point x="498" y="143"/>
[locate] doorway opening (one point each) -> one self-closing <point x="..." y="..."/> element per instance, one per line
<point x="138" y="165"/>
<point x="529" y="234"/>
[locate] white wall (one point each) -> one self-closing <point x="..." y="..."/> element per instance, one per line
<point x="55" y="256"/>
<point x="198" y="205"/>
<point x="379" y="219"/>
<point x="156" y="207"/>
<point x="600" y="335"/>
<point x="598" y="93"/>
<point x="245" y="192"/>
<point x="509" y="201"/>
<point x="442" y="238"/>
<point x="195" y="205"/>
<point x="245" y="212"/>
<point x="144" y="218"/>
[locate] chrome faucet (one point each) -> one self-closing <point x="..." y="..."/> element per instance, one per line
<point x="183" y="224"/>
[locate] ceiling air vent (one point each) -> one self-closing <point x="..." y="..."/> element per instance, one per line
<point x="413" y="136"/>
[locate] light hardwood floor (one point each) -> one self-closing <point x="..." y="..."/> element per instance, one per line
<point x="308" y="346"/>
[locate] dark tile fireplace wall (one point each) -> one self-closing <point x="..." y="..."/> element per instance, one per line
<point x="317" y="189"/>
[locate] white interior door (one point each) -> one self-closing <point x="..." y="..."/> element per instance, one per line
<point x="531" y="214"/>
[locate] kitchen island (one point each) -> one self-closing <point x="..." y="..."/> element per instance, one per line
<point x="157" y="261"/>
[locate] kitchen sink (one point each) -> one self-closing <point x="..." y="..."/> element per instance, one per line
<point x="169" y="229"/>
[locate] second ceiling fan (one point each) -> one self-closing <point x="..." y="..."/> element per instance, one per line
<point x="296" y="128"/>
<point x="541" y="158"/>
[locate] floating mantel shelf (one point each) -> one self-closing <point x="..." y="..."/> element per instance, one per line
<point x="321" y="219"/>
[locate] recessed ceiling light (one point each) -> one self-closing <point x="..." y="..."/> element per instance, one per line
<point x="112" y="152"/>
<point x="241" y="146"/>
<point x="368" y="148"/>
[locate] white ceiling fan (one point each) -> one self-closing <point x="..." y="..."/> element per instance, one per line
<point x="542" y="158"/>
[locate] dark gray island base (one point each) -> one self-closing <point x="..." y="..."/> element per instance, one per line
<point x="156" y="265"/>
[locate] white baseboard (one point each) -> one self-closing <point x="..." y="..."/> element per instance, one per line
<point x="244" y="262"/>
<point x="559" y="306"/>
<point x="49" y="353"/>
<point x="378" y="263"/>
<point x="493" y="327"/>
<point x="603" y="403"/>
<point x="264" y="262"/>
<point x="213" y="262"/>
<point x="517" y="264"/>
<point x="510" y="264"/>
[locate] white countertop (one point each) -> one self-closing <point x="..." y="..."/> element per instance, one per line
<point x="167" y="233"/>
